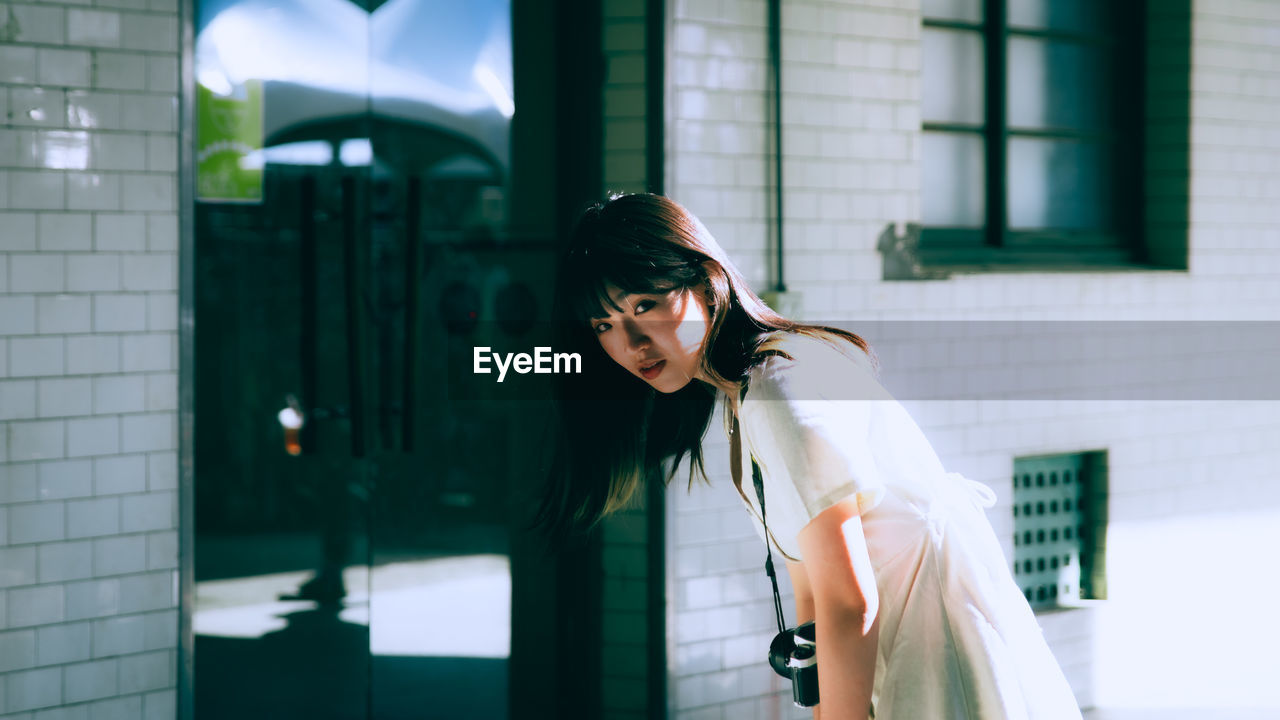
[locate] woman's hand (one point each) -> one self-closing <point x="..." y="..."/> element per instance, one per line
<point x="838" y="575"/>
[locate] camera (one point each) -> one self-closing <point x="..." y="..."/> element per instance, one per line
<point x="793" y="654"/>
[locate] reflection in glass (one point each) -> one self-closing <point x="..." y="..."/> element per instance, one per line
<point x="961" y="10"/>
<point x="1060" y="184"/>
<point x="954" y="190"/>
<point x="1056" y="84"/>
<point x="953" y="81"/>
<point x="1084" y="16"/>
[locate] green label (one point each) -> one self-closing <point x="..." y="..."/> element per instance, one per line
<point x="229" y="144"/>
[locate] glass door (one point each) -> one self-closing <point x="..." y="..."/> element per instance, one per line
<point x="353" y="488"/>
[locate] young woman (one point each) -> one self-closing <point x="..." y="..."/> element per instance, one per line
<point x="916" y="614"/>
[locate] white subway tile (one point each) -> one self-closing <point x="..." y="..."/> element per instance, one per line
<point x="162" y="312"/>
<point x="147" y="671"/>
<point x="93" y="191"/>
<point x="40" y="605"/>
<point x="120" y="474"/>
<point x="149" y="32"/>
<point x="33" y="689"/>
<point x="162" y="550"/>
<point x="93" y="436"/>
<point x="36" y="522"/>
<point x="162" y="153"/>
<point x="149" y="192"/>
<point x="17" y="483"/>
<point x="61" y="644"/>
<point x="93" y="110"/>
<point x="120" y="232"/>
<point x="64" y="561"/>
<point x="160" y="629"/>
<point x="119" y="313"/>
<point x="65" y="231"/>
<point x="17" y="315"/>
<point x="36" y="440"/>
<point x="64" y="479"/>
<point x="37" y="273"/>
<point x="162" y="232"/>
<point x="62" y="314"/>
<point x="153" y="511"/>
<point x="17" y="231"/>
<point x="98" y="28"/>
<point x="155" y="351"/>
<point x="162" y="74"/>
<point x="93" y="354"/>
<point x="152" y="591"/>
<point x="119" y="394"/>
<point x="118" y="635"/>
<point x="120" y="70"/>
<point x="125" y="707"/>
<point x="37" y="190"/>
<point x="35" y="106"/>
<point x="155" y="271"/>
<point x="17" y="566"/>
<point x="93" y="598"/>
<point x="39" y="24"/>
<point x="91" y="518"/>
<point x="118" y="151"/>
<point x="63" y="68"/>
<point x="35" y="356"/>
<point x="97" y="272"/>
<point x="162" y="471"/>
<point x="162" y="391"/>
<point x="17" y="651"/>
<point x="63" y="397"/>
<point x="154" y="431"/>
<point x="156" y="113"/>
<point x="119" y="555"/>
<point x="92" y="680"/>
<point x="17" y="64"/>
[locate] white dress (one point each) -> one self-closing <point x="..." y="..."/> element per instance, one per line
<point x="957" y="637"/>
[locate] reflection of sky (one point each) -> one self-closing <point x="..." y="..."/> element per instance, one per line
<point x="438" y="63"/>
<point x="441" y="607"/>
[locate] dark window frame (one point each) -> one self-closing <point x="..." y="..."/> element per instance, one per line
<point x="996" y="244"/>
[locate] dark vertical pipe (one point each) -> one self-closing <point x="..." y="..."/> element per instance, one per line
<point x="996" y="133"/>
<point x="355" y="357"/>
<point x="655" y="18"/>
<point x="308" y="327"/>
<point x="412" y="291"/>
<point x="775" y="72"/>
<point x="186" y="366"/>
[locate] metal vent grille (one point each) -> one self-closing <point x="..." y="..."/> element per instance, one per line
<point x="1058" y="520"/>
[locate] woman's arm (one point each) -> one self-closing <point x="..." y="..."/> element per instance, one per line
<point x="804" y="593"/>
<point x="845" y="605"/>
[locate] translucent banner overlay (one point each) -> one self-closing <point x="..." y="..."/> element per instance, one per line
<point x="966" y="360"/>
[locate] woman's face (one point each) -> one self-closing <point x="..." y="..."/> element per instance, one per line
<point x="658" y="337"/>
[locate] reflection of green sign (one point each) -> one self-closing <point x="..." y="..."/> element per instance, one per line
<point x="229" y="144"/>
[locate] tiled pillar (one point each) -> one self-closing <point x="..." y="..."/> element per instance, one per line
<point x="88" y="358"/>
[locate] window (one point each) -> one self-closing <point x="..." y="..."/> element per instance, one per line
<point x="1031" y="144"/>
<point x="1059" y="528"/>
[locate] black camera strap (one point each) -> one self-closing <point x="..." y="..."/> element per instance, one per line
<point x="735" y="465"/>
<point x="768" y="546"/>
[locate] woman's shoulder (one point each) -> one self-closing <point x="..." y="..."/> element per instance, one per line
<point x="801" y="366"/>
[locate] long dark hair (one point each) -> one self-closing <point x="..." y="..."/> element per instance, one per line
<point x="614" y="432"/>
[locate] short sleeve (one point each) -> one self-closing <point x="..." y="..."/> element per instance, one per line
<point x="812" y="446"/>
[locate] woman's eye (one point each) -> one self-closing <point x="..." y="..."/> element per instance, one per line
<point x="601" y="328"/>
<point x="645" y="304"/>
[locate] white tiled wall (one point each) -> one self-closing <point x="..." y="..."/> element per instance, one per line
<point x="88" y="341"/>
<point x="851" y="136"/>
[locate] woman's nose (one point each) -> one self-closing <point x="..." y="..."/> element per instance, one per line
<point x="636" y="336"/>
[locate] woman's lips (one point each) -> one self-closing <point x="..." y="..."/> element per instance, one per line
<point x="654" y="371"/>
